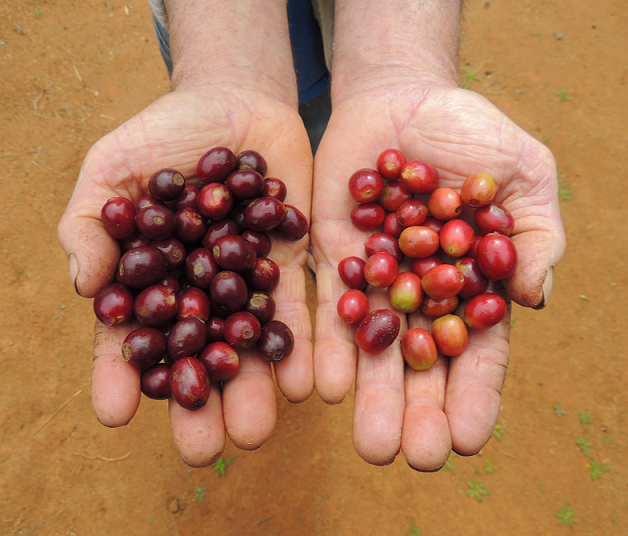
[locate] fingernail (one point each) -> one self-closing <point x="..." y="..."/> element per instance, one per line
<point x="425" y="470"/>
<point x="74" y="270"/>
<point x="546" y="287"/>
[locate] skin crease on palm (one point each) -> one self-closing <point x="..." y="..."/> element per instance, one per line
<point x="174" y="132"/>
<point x="456" y="403"/>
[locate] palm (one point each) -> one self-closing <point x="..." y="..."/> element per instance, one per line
<point x="174" y="132"/>
<point x="457" y="401"/>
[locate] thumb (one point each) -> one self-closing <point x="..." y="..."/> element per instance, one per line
<point x="92" y="253"/>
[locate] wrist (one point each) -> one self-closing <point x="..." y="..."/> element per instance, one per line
<point x="227" y="44"/>
<point x="384" y="45"/>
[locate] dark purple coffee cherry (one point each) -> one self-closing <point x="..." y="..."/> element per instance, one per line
<point x="173" y="250"/>
<point x="147" y="201"/>
<point x="264" y="214"/>
<point x="216" y="165"/>
<point x="245" y="184"/>
<point x="118" y="217"/>
<point x="113" y="305"/>
<point x="142" y="267"/>
<point x="156" y="222"/>
<point x="228" y="291"/>
<point x="215" y="329"/>
<point x="189" y="225"/>
<point x="259" y="240"/>
<point x="263" y="276"/>
<point x="221" y="360"/>
<point x="275" y="188"/>
<point x="166" y="184"/>
<point x="217" y="230"/>
<point x="215" y="201"/>
<point x="188" y="198"/>
<point x="155" y="306"/>
<point x="294" y="226"/>
<point x="200" y="268"/>
<point x="261" y="305"/>
<point x="242" y="330"/>
<point x="155" y="382"/>
<point x="276" y="341"/>
<point x="186" y="338"/>
<point x="138" y="240"/>
<point x="234" y="253"/>
<point x="144" y="347"/>
<point x="250" y="159"/>
<point x="194" y="302"/>
<point x="189" y="383"/>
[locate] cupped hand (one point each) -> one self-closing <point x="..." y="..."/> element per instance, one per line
<point x="174" y="132"/>
<point x="456" y="403"/>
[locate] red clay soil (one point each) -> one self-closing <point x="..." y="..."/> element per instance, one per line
<point x="72" y="71"/>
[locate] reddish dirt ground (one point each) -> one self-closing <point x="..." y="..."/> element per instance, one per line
<point x="72" y="71"/>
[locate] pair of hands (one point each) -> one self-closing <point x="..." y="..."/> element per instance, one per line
<point x="424" y="414"/>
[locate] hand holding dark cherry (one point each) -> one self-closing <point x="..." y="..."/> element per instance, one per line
<point x="172" y="134"/>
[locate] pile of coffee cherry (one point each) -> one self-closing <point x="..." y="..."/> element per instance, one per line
<point x="194" y="272"/>
<point x="414" y="221"/>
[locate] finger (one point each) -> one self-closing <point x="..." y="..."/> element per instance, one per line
<point x="92" y="253"/>
<point x="426" y="439"/>
<point x="531" y="195"/>
<point x="474" y="387"/>
<point x="249" y="403"/>
<point x="379" y="398"/>
<point x="115" y="383"/>
<point x="335" y="353"/>
<point x="295" y="376"/>
<point x="199" y="435"/>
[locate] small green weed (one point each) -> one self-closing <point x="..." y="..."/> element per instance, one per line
<point x="566" y="516"/>
<point x="413" y="530"/>
<point x="220" y="466"/>
<point x="585" y="419"/>
<point x="471" y="76"/>
<point x="584" y="444"/>
<point x="597" y="470"/>
<point x="559" y="412"/>
<point x="477" y="490"/>
<point x="565" y="192"/>
<point x="200" y="493"/>
<point x="607" y="441"/>
<point x="498" y="431"/>
<point x="449" y="466"/>
<point x="489" y="467"/>
<point x="564" y="96"/>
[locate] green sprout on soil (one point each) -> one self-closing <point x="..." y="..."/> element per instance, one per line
<point x="559" y="412"/>
<point x="200" y="493"/>
<point x="597" y="470"/>
<point x="607" y="441"/>
<point x="584" y="444"/>
<point x="471" y="76"/>
<point x="564" y="96"/>
<point x="489" y="467"/>
<point x="498" y="431"/>
<point x="584" y="297"/>
<point x="565" y="193"/>
<point x="477" y="490"/>
<point x="220" y="466"/>
<point x="413" y="530"/>
<point x="449" y="466"/>
<point x="585" y="419"/>
<point x="566" y="516"/>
